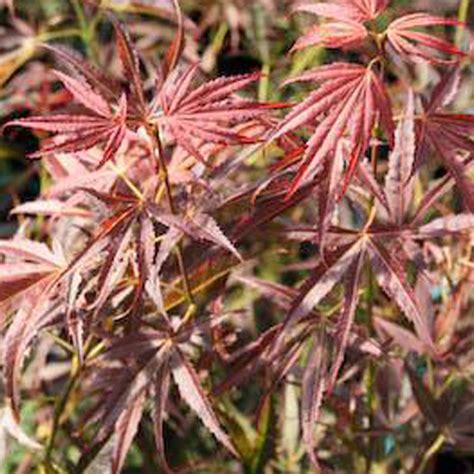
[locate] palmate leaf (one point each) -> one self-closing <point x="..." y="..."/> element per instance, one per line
<point x="29" y="268"/>
<point x="390" y="274"/>
<point x="81" y="132"/>
<point x="342" y="262"/>
<point x="107" y="105"/>
<point x="150" y="360"/>
<point x="411" y="43"/>
<point x="127" y="237"/>
<point x="205" y="114"/>
<point x="343" y="29"/>
<point x="255" y="357"/>
<point x="349" y="102"/>
<point x="346" y="26"/>
<point x="246" y="362"/>
<point x="447" y="135"/>
<point x="112" y="242"/>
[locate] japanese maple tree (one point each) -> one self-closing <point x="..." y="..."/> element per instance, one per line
<point x="287" y="277"/>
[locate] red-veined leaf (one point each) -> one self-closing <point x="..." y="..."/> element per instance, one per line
<point x="190" y="389"/>
<point x="352" y="100"/>
<point x="84" y="94"/>
<point x="392" y="278"/>
<point x="408" y="42"/>
<point x="161" y="392"/>
<point x="313" y="386"/>
<point x="205" y="113"/>
<point x="323" y="280"/>
<point x="346" y="318"/>
<point x="125" y="431"/>
<point x="131" y="66"/>
<point x="21" y="332"/>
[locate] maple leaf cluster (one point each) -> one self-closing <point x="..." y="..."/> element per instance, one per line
<point x="146" y="226"/>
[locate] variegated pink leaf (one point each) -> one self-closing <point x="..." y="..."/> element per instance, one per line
<point x="411" y="43"/>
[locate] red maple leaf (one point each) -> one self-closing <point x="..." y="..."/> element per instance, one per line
<point x="408" y="42"/>
<point x="346" y="105"/>
<point x="99" y="125"/>
<point x="206" y="113"/>
<point x="447" y="135"/>
<point x="344" y="28"/>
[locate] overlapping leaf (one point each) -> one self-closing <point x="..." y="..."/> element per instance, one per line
<point x="153" y="359"/>
<point x="344" y="27"/>
<point x="29" y="267"/>
<point x="204" y="114"/>
<point x="100" y="125"/>
<point x="447" y="135"/>
<point x="347" y="105"/>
